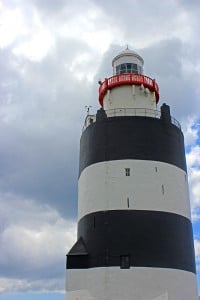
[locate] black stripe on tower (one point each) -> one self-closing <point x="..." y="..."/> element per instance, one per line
<point x="141" y="138"/>
<point x="147" y="238"/>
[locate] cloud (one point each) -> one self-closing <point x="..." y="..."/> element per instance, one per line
<point x="190" y="130"/>
<point x="192" y="133"/>
<point x="11" y="25"/>
<point x="42" y="111"/>
<point x="197" y="254"/>
<point x="34" y="240"/>
<point x="193" y="158"/>
<point x="11" y="286"/>
<point x="145" y="23"/>
<point x="166" y="61"/>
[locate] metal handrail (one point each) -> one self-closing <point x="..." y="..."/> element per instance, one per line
<point x="137" y="112"/>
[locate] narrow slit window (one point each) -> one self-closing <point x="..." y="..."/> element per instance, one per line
<point x="156" y="169"/>
<point x="125" y="261"/>
<point x="94" y="222"/>
<point x="163" y="189"/>
<point x="127" y="171"/>
<point x="128" y="202"/>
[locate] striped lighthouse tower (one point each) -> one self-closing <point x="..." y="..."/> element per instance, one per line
<point x="135" y="239"/>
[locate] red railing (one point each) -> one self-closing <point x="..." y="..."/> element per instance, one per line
<point x="125" y="79"/>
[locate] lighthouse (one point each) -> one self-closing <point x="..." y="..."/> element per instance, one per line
<point x="134" y="239"/>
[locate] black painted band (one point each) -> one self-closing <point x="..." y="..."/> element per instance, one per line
<point x="150" y="238"/>
<point x="141" y="138"/>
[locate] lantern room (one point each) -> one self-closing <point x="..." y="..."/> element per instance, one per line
<point x="127" y="61"/>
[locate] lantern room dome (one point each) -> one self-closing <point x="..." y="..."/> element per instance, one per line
<point x="127" y="52"/>
<point x="127" y="61"/>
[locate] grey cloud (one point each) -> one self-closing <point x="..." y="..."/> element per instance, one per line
<point x="51" y="6"/>
<point x="165" y="61"/>
<point x="34" y="239"/>
<point x="40" y="128"/>
<point x="190" y="4"/>
<point x="40" y="168"/>
<point x="138" y="20"/>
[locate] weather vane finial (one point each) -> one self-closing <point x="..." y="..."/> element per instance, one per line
<point x="127" y="48"/>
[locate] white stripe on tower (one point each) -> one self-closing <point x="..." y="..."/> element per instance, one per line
<point x="133" y="184"/>
<point x="155" y="283"/>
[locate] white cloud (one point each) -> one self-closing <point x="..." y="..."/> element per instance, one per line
<point x="37" y="47"/>
<point x="12" y="25"/>
<point x="194" y="182"/>
<point x="10" y="285"/>
<point x="197" y="253"/>
<point x="193" y="157"/>
<point x="36" y="248"/>
<point x="92" y="27"/>
<point x="34" y="240"/>
<point x="29" y="38"/>
<point x="190" y="130"/>
<point x="193" y="164"/>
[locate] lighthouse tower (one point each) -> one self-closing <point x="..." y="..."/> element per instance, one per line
<point x="135" y="239"/>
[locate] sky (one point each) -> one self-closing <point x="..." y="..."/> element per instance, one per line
<point x="52" y="54"/>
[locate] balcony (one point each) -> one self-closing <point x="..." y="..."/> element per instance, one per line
<point x="128" y="79"/>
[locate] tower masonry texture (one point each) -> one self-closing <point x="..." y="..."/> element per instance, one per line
<point x="134" y="239"/>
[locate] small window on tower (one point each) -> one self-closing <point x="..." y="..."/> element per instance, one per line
<point x="127" y="171"/>
<point x="124" y="261"/>
<point x="128" y="204"/>
<point x="163" y="189"/>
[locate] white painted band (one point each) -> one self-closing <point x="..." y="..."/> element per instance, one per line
<point x="114" y="283"/>
<point x="152" y="185"/>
